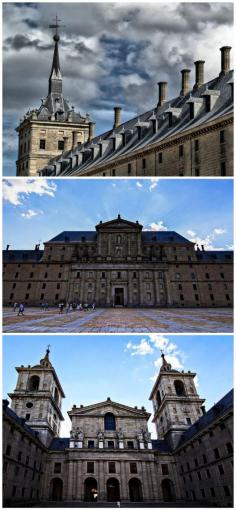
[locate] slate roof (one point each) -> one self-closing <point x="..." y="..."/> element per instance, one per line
<point x="59" y="444"/>
<point x="219" y="409"/>
<point x="22" y="255"/>
<point x="73" y="163"/>
<point x="161" y="446"/>
<point x="210" y="255"/>
<point x="147" y="236"/>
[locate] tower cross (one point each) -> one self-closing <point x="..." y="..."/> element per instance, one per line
<point x="56" y="25"/>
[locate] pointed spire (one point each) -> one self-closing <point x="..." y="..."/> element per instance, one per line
<point x="46" y="361"/>
<point x="55" y="79"/>
<point x="165" y="366"/>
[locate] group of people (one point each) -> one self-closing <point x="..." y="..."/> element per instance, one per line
<point x="20" y="307"/>
<point x="70" y="307"/>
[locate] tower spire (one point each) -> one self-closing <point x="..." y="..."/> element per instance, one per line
<point x="55" y="79"/>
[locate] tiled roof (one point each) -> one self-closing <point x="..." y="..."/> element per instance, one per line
<point x="219" y="409"/>
<point x="73" y="162"/>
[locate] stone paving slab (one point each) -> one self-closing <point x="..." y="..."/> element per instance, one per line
<point x="121" y="320"/>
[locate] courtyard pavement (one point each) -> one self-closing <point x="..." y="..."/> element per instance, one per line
<point x="120" y="320"/>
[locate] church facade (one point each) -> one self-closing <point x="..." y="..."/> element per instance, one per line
<point x="110" y="455"/>
<point x="119" y="264"/>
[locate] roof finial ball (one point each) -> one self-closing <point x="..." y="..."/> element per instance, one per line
<point x="56" y="38"/>
<point x="165" y="365"/>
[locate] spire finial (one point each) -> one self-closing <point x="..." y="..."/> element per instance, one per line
<point x="56" y="26"/>
<point x="48" y="350"/>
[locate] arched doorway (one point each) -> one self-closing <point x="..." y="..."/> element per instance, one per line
<point x="135" y="490"/>
<point x="168" y="490"/>
<point x="56" y="489"/>
<point x="90" y="489"/>
<point x="113" y="490"/>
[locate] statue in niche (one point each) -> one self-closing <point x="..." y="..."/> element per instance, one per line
<point x="120" y="434"/>
<point x="140" y="436"/>
<point x="100" y="436"/>
<point x="147" y="436"/>
<point x="77" y="433"/>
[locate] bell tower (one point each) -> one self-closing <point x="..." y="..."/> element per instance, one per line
<point x="175" y="401"/>
<point x="37" y="398"/>
<point x="54" y="127"/>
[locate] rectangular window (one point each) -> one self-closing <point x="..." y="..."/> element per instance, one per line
<point x="222" y="137"/>
<point x="58" y="285"/>
<point x="196" y="145"/>
<point x="160" y="159"/>
<point x="42" y="296"/>
<point x="181" y="151"/>
<point x="213" y="494"/>
<point x="204" y="458"/>
<point x="226" y="490"/>
<point x="180" y="286"/>
<point x="216" y="453"/>
<point x="61" y="145"/>
<point x="133" y="467"/>
<point x="203" y="493"/>
<point x="129" y="168"/>
<point x="59" y="275"/>
<point x="110" y="444"/>
<point x="27" y="460"/>
<point x="13" y="490"/>
<point x="221" y="469"/>
<point x="181" y="297"/>
<point x="143" y="164"/>
<point x="130" y="445"/>
<point x="78" y="274"/>
<point x="199" y="475"/>
<point x="188" y="421"/>
<point x="196" y="297"/>
<point x="229" y="447"/>
<point x="16" y="275"/>
<point x="19" y="456"/>
<point x="57" y="467"/>
<point x="208" y="473"/>
<point x="165" y="469"/>
<point x="223" y="168"/>
<point x="112" y="467"/>
<point x="29" y="286"/>
<point x="90" y="467"/>
<point x="27" y="417"/>
<point x="196" y="462"/>
<point x="90" y="444"/>
<point x="42" y="144"/>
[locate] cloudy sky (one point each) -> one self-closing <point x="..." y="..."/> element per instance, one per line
<point x="39" y="209"/>
<point x="110" y="53"/>
<point x="123" y="367"/>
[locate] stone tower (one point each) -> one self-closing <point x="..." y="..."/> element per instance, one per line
<point x="53" y="128"/>
<point x="175" y="401"/>
<point x="38" y="397"/>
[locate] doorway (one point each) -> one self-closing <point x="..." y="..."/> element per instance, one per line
<point x="113" y="490"/>
<point x="135" y="490"/>
<point x="90" y="489"/>
<point x="119" y="296"/>
<point x="168" y="490"/>
<point x="56" y="489"/>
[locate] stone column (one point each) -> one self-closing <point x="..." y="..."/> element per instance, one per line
<point x="79" y="482"/>
<point x="70" y="480"/>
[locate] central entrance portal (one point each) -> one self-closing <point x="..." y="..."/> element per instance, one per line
<point x="119" y="296"/>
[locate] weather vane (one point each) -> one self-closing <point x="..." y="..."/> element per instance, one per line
<point x="56" y="26"/>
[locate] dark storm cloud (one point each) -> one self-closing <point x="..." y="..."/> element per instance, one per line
<point x="109" y="53"/>
<point x="20" y="41"/>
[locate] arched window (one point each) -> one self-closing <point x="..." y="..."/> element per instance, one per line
<point x="34" y="383"/>
<point x="109" y="421"/>
<point x="158" y="398"/>
<point x="179" y="388"/>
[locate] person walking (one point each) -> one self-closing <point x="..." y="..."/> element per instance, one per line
<point x="21" y="309"/>
<point x="15" y="307"/>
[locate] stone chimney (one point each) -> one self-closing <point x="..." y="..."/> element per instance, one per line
<point x="162" y="92"/>
<point x="225" y="60"/>
<point x="199" y="74"/>
<point x="117" y="117"/>
<point x="185" y="82"/>
<point x="91" y="130"/>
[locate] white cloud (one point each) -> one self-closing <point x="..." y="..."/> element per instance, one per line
<point x="131" y="79"/>
<point x="208" y="240"/>
<point x="30" y="214"/>
<point x="15" y="189"/>
<point x="159" y="226"/>
<point x="219" y="231"/>
<point x="153" y="185"/>
<point x="138" y="184"/>
<point x="140" y="349"/>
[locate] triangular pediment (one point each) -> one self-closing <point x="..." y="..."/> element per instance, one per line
<point x="119" y="223"/>
<point x="108" y="406"/>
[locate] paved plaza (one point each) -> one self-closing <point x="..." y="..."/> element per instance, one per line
<point x="120" y="320"/>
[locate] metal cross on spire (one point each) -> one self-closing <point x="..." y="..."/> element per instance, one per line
<point x="56" y="26"/>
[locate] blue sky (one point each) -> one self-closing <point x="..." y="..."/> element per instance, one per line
<point x="38" y="210"/>
<point x="110" y="53"/>
<point x="123" y="367"/>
